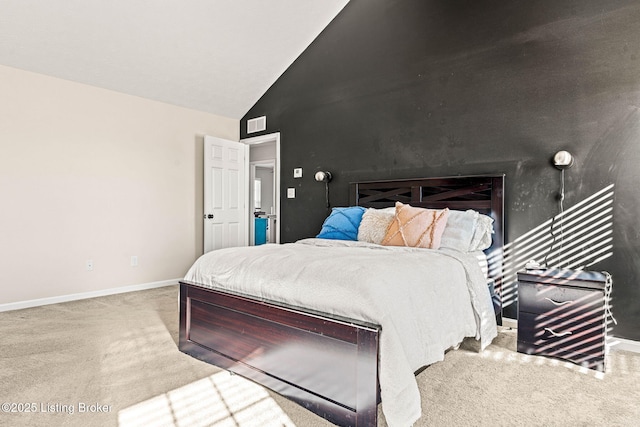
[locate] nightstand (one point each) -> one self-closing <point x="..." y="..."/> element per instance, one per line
<point x="562" y="314"/>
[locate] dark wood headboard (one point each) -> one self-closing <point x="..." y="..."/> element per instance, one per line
<point x="483" y="193"/>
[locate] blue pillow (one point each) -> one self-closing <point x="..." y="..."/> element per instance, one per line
<point x="342" y="224"/>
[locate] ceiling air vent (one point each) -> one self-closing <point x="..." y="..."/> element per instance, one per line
<point x="257" y="124"/>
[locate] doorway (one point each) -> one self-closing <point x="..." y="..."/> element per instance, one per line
<point x="264" y="188"/>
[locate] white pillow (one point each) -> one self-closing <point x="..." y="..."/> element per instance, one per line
<point x="482" y="235"/>
<point x="458" y="233"/>
<point x="374" y="224"/>
<point x="467" y="231"/>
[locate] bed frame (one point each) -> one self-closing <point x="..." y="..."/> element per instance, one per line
<point x="325" y="363"/>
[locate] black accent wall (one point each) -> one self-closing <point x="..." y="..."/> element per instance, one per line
<point x="421" y="88"/>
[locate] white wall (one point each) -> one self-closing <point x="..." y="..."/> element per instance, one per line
<point x="267" y="190"/>
<point x="87" y="173"/>
<point x="263" y="151"/>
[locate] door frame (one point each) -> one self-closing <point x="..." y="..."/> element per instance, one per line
<point x="262" y="139"/>
<point x="252" y="177"/>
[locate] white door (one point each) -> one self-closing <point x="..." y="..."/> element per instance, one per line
<point x="225" y="193"/>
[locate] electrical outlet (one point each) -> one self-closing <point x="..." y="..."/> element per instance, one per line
<point x="89" y="265"/>
<point x="134" y="261"/>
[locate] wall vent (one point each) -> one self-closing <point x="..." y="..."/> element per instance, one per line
<point x="257" y="124"/>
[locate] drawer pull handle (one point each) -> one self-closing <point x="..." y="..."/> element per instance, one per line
<point x="558" y="303"/>
<point x="556" y="334"/>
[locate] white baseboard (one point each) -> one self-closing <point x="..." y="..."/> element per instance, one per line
<point x="613" y="343"/>
<point x="84" y="295"/>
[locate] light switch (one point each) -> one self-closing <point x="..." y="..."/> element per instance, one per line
<point x="297" y="173"/>
<point x="291" y="193"/>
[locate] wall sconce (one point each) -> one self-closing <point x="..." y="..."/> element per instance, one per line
<point x="563" y="160"/>
<point x="323" y="176"/>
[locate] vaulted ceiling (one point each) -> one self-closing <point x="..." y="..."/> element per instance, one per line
<point x="217" y="56"/>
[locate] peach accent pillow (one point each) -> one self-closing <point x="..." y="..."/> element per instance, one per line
<point x="416" y="227"/>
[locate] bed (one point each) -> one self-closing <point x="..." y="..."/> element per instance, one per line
<point x="305" y="348"/>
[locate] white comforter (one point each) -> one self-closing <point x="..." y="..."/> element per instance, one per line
<point x="425" y="301"/>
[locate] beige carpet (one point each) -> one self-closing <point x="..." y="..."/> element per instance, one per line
<point x="113" y="361"/>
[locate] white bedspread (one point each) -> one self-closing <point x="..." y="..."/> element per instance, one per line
<point x="425" y="301"/>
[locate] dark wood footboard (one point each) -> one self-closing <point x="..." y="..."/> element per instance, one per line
<point x="327" y="365"/>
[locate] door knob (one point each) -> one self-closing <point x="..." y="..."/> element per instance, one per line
<point x="209" y="216"/>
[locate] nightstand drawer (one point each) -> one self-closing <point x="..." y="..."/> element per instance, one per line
<point x="541" y="298"/>
<point x="593" y="360"/>
<point x="578" y="335"/>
